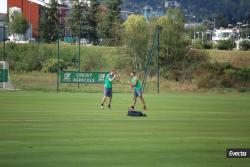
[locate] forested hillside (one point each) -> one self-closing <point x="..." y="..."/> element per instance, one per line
<point x="229" y="10"/>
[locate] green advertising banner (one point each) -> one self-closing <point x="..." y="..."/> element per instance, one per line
<point x="4" y="75"/>
<point x="82" y="77"/>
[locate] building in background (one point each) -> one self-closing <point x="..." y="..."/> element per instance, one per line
<point x="148" y="11"/>
<point x="125" y="14"/>
<point x="224" y="34"/>
<point x="172" y="4"/>
<point x="160" y="10"/>
<point x="3" y="17"/>
<point x="32" y="10"/>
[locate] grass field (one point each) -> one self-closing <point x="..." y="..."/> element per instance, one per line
<point x="68" y="130"/>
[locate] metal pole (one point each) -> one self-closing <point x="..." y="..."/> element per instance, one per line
<point x="213" y="33"/>
<point x="158" y="57"/>
<point x="30" y="20"/>
<point x="247" y="30"/>
<point x="58" y="49"/>
<point x="4" y="67"/>
<point x="194" y="35"/>
<point x="202" y="37"/>
<point x="79" y="51"/>
<point x="150" y="55"/>
<point x="4" y="38"/>
<point x="58" y="56"/>
<point x="79" y="34"/>
<point x="194" y="29"/>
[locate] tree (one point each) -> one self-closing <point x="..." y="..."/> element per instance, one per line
<point x="173" y="45"/>
<point x="18" y="24"/>
<point x="110" y="24"/>
<point x="245" y="45"/>
<point x="226" y="44"/>
<point x="172" y="39"/>
<point x="136" y="39"/>
<point x="77" y="19"/>
<point x="91" y="19"/>
<point x="221" y="21"/>
<point x="49" y="24"/>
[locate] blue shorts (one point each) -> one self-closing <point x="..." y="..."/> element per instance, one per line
<point x="108" y="92"/>
<point x="138" y="93"/>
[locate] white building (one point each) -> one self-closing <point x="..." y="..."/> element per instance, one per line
<point x="223" y="34"/>
<point x="172" y="4"/>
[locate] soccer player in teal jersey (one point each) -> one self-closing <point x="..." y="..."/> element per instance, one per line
<point x="135" y="84"/>
<point x="108" y="89"/>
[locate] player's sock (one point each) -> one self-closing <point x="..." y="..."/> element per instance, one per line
<point x="102" y="106"/>
<point x="132" y="107"/>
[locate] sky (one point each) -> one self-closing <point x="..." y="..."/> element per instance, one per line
<point x="3" y="6"/>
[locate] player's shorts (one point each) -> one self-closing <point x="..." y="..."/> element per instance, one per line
<point x="108" y="92"/>
<point x="138" y="93"/>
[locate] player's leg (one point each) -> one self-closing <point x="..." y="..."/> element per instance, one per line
<point x="103" y="101"/>
<point x="143" y="103"/>
<point x="139" y="92"/>
<point x="110" y="98"/>
<point x="134" y="100"/>
<point x="106" y="93"/>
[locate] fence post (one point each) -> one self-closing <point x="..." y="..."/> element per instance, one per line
<point x="4" y="38"/>
<point x="79" y="51"/>
<point x="158" y="57"/>
<point x="58" y="61"/>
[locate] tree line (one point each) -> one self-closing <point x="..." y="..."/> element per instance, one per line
<point x="98" y="22"/>
<point x="223" y="11"/>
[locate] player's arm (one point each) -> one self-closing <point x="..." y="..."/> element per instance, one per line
<point x="135" y="83"/>
<point x="112" y="79"/>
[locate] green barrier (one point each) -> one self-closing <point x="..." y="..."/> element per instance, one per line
<point x="4" y="75"/>
<point x="82" y="77"/>
<point x="68" y="39"/>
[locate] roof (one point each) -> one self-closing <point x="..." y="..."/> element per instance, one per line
<point x="45" y="2"/>
<point x="40" y="2"/>
<point x="60" y="2"/>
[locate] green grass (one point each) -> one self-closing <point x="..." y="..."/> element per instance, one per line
<point x="68" y="129"/>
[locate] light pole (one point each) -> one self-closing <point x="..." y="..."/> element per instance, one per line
<point x="213" y="32"/>
<point x="239" y="24"/>
<point x="194" y="29"/>
<point x="247" y="30"/>
<point x="202" y="37"/>
<point x="30" y="25"/>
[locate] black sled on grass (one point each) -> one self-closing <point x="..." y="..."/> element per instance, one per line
<point x="133" y="113"/>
